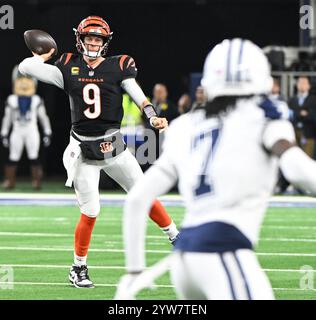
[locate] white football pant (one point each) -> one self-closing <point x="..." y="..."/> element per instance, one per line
<point x="124" y="169"/>
<point x="27" y="136"/>
<point x="220" y="276"/>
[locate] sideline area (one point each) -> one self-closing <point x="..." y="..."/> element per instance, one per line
<point x="55" y="199"/>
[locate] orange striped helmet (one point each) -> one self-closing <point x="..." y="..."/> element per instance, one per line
<point x="94" y="26"/>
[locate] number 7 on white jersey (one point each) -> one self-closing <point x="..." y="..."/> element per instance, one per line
<point x="204" y="187"/>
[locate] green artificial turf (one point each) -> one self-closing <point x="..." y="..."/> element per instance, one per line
<point x="37" y="241"/>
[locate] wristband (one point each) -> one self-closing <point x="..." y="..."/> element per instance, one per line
<point x="150" y="111"/>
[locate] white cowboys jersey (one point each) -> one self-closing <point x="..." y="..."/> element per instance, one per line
<point x="225" y="172"/>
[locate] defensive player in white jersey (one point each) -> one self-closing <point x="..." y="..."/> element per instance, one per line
<point x="225" y="158"/>
<point x="22" y="111"/>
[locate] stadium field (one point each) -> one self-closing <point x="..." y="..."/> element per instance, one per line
<point x="36" y="242"/>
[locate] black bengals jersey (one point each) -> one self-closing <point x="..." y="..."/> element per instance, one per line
<point x="95" y="94"/>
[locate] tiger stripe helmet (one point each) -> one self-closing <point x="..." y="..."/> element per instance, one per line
<point x="95" y="26"/>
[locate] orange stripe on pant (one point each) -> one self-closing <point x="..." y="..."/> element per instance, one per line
<point x="83" y="235"/>
<point x="159" y="215"/>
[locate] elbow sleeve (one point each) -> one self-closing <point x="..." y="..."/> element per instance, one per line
<point x="134" y="91"/>
<point x="25" y="67"/>
<point x="22" y="67"/>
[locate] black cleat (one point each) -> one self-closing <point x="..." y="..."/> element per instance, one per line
<point x="79" y="277"/>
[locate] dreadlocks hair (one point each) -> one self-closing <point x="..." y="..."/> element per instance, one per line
<point x="222" y="104"/>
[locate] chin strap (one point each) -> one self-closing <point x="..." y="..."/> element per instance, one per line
<point x="88" y="53"/>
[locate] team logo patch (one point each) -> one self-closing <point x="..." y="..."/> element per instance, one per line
<point x="75" y="71"/>
<point x="106" y="147"/>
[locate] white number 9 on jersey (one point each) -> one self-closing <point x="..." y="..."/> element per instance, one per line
<point x="91" y="96"/>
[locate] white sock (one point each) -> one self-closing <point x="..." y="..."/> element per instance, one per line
<point x="171" y="230"/>
<point x="80" y="261"/>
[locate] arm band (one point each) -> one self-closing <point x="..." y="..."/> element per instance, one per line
<point x="150" y="111"/>
<point x="35" y="67"/>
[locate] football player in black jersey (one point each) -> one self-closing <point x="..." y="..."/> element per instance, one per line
<point x="94" y="84"/>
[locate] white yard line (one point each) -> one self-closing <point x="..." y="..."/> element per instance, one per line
<point x="4" y="195"/>
<point x="285" y="254"/>
<point x="67" y="249"/>
<point x="103" y="218"/>
<point x="265" y="226"/>
<point x="292" y="289"/>
<point x="40" y="234"/>
<point x="288" y="270"/>
<point x="151" y="240"/>
<point x="49" y="234"/>
<point x="54" y="199"/>
<point x="53" y="266"/>
<point x="288" y="239"/>
<point x="56" y="266"/>
<point x="64" y="284"/>
<point x="71" y="249"/>
<point x="15" y="218"/>
<point x="160" y="239"/>
<point x="271" y="220"/>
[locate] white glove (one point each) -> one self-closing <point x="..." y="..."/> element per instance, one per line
<point x="130" y="284"/>
<point x="123" y="291"/>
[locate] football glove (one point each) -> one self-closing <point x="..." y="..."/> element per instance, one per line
<point x="131" y="284"/>
<point x="123" y="291"/>
<point x="5" y="141"/>
<point x="46" y="141"/>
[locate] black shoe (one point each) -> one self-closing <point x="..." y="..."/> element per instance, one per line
<point x="175" y="239"/>
<point x="79" y="277"/>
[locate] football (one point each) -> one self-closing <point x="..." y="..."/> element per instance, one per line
<point x="39" y="41"/>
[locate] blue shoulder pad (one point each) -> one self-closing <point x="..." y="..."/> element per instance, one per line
<point x="275" y="109"/>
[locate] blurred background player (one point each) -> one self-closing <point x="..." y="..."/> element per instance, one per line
<point x="22" y="111"/>
<point x="93" y="83"/>
<point x="226" y="158"/>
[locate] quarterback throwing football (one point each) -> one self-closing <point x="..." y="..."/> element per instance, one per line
<point x="94" y="84"/>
